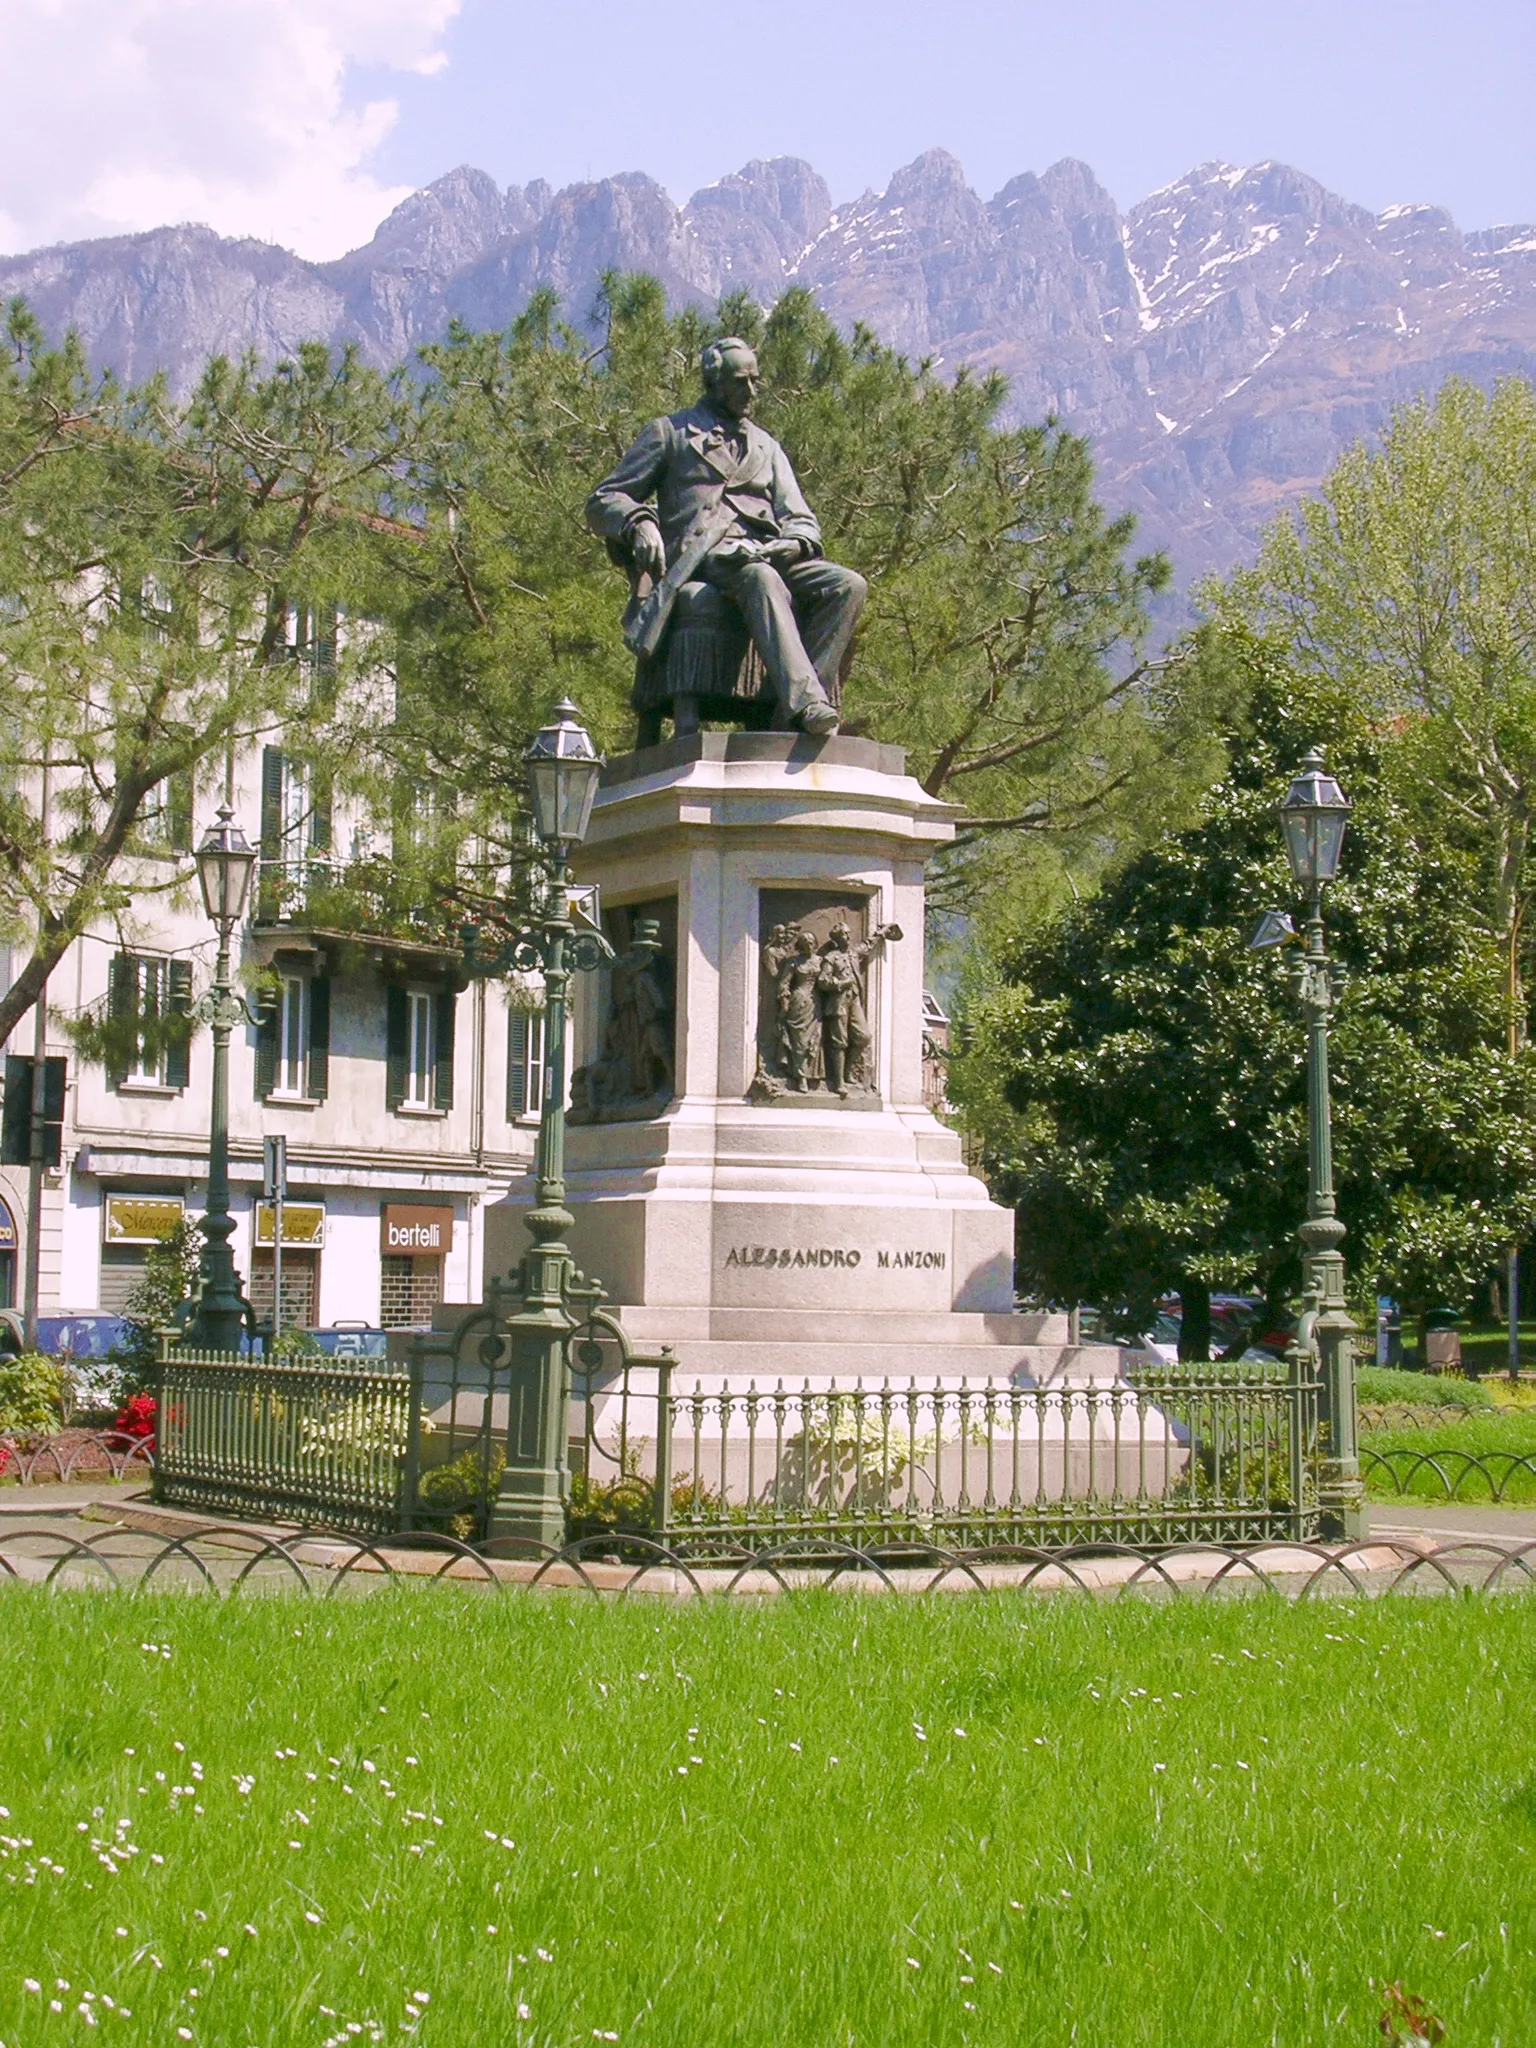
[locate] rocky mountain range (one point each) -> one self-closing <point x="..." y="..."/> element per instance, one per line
<point x="1220" y="342"/>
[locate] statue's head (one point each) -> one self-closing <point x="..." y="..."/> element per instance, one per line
<point x="839" y="939"/>
<point x="805" y="943"/>
<point x="729" y="368"/>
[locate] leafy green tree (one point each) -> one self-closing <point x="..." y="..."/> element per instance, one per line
<point x="1409" y="582"/>
<point x="153" y="561"/>
<point x="1138" y="1073"/>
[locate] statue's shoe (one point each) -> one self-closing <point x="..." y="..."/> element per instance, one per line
<point x="820" y="720"/>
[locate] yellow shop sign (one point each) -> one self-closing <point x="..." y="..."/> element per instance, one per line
<point x="303" y="1224"/>
<point x="140" y="1219"/>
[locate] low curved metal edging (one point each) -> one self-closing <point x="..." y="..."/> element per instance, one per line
<point x="1388" y="1462"/>
<point x="1422" y="1560"/>
<point x="74" y="1548"/>
<point x="662" y="1558"/>
<point x="899" y="1554"/>
<point x="1064" y="1560"/>
<point x="1036" y="1560"/>
<point x="1154" y="1564"/>
<point x="69" y="1547"/>
<point x="173" y="1546"/>
<point x="1473" y="1548"/>
<point x="119" y="1449"/>
<point x="1521" y="1554"/>
<point x="361" y="1548"/>
<point x="807" y="1553"/>
<point x="1336" y="1560"/>
<point x="1514" y="1461"/>
<point x="454" y="1549"/>
<point x="1495" y="1467"/>
<point x="948" y="1563"/>
<point x="1332" y="1560"/>
<point x="550" y="1555"/>
<point x="1240" y="1558"/>
<point x="271" y="1546"/>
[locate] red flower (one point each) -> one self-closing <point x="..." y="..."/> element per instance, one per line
<point x="137" y="1417"/>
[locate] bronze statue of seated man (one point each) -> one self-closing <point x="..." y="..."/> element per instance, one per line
<point x="734" y="614"/>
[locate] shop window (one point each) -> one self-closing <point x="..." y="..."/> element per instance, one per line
<point x="419" y="1066"/>
<point x="7" y="1257"/>
<point x="301" y="1291"/>
<point x="148" y="998"/>
<point x="525" y="1063"/>
<point x="409" y="1290"/>
<point x="122" y="1268"/>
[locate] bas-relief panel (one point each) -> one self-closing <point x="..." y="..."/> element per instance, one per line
<point x="816" y="1039"/>
<point x="634" y="1075"/>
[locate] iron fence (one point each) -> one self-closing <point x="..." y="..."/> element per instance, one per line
<point x="305" y="1441"/>
<point x="711" y="1467"/>
<point x="1171" y="1459"/>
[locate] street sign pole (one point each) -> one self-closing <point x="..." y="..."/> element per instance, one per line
<point x="274" y="1185"/>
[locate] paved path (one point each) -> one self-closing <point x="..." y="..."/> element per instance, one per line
<point x="19" y="1503"/>
<point x="1451" y="1520"/>
<point x="40" y="1527"/>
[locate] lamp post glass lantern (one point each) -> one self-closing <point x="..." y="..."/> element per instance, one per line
<point x="1313" y="816"/>
<point x="220" y="1311"/>
<point x="225" y="861"/>
<point x="563" y="773"/>
<point x="564" y="769"/>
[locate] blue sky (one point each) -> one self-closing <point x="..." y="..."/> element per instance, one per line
<point x="1383" y="102"/>
<point x="304" y="121"/>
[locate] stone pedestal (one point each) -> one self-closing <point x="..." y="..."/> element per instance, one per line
<point x="757" y="1228"/>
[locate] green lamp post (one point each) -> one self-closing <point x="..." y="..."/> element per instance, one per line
<point x="220" y="1311"/>
<point x="1313" y="817"/>
<point x="563" y="773"/>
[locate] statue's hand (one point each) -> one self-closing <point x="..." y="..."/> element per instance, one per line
<point x="650" y="555"/>
<point x="782" y="553"/>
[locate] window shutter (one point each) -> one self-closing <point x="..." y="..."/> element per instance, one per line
<point x="268" y="1021"/>
<point x="271" y="803"/>
<point x="442" y="1074"/>
<point x="55" y="1075"/>
<point x="178" y="1051"/>
<point x="317" y="1079"/>
<point x="16" y="1124"/>
<point x="122" y="1010"/>
<point x="178" y="813"/>
<point x="517" y="1065"/>
<point x="322" y="657"/>
<point x="397" y="1048"/>
<point x="320" y="815"/>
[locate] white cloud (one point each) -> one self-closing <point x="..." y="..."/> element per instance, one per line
<point x="125" y="114"/>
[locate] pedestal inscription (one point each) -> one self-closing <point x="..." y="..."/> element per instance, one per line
<point x="815" y="1039"/>
<point x="635" y="1076"/>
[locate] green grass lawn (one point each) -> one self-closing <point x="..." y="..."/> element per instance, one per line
<point x="1497" y="1436"/>
<point x="1485" y="1346"/>
<point x="430" y="1816"/>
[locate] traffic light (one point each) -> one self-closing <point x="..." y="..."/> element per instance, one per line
<point x="16" y="1118"/>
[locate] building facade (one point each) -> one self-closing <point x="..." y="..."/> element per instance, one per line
<point x="407" y="1093"/>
